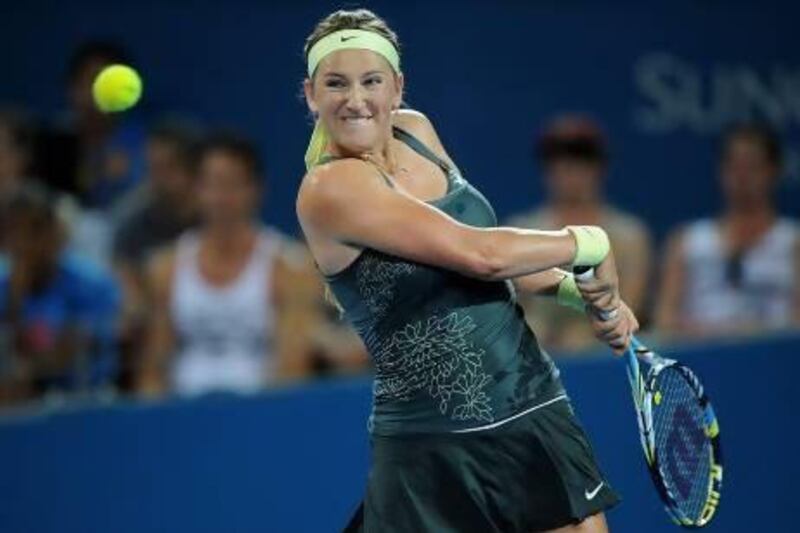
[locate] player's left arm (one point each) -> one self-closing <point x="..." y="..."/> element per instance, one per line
<point x="616" y="332"/>
<point x="544" y="283"/>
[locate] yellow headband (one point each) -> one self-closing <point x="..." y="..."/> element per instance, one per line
<point x="350" y="40"/>
<point x="343" y="40"/>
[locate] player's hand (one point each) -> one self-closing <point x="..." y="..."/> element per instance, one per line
<point x="601" y="291"/>
<point x="616" y="331"/>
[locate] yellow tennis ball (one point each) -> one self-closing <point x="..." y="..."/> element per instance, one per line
<point x="116" y="88"/>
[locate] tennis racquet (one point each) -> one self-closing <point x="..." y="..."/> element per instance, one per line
<point x="679" y="433"/>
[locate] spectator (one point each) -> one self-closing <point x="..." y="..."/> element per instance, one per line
<point x="58" y="312"/>
<point x="97" y="157"/>
<point x="18" y="162"/>
<point x="160" y="210"/>
<point x="232" y="304"/>
<point x="15" y="156"/>
<point x="574" y="156"/>
<point x="16" y="138"/>
<point x="736" y="273"/>
<point x="111" y="148"/>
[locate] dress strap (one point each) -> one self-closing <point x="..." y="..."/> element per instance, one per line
<point x="421" y="148"/>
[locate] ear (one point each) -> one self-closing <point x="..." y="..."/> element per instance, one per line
<point x="399" y="84"/>
<point x="308" y="89"/>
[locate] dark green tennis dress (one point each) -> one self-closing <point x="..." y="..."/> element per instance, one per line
<point x="471" y="428"/>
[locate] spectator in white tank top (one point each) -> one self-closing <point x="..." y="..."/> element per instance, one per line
<point x="233" y="301"/>
<point x="737" y="273"/>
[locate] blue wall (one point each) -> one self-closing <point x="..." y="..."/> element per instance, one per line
<point x="296" y="460"/>
<point x="663" y="76"/>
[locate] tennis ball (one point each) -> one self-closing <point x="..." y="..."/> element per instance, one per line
<point x="116" y="88"/>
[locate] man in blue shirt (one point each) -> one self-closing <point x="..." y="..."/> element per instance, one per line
<point x="58" y="312"/>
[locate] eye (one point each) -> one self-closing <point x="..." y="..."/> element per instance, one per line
<point x="372" y="81"/>
<point x="334" y="83"/>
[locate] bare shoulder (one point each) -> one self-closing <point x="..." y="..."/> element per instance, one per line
<point x="333" y="173"/>
<point x="411" y="118"/>
<point x="336" y="183"/>
<point x="415" y="123"/>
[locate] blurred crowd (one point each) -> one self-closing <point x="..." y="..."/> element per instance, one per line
<point x="731" y="273"/>
<point x="134" y="259"/>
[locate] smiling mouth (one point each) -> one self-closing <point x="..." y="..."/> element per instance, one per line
<point x="357" y="120"/>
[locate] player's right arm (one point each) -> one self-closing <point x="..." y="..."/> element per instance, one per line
<point x="348" y="203"/>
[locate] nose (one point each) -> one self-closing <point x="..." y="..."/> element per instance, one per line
<point x="355" y="98"/>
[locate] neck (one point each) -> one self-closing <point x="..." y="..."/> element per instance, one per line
<point x="380" y="155"/>
<point x="752" y="209"/>
<point x="743" y="228"/>
<point x="754" y="212"/>
<point x="586" y="210"/>
<point x="230" y="236"/>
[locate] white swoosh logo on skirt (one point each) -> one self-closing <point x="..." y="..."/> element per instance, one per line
<point x="590" y="495"/>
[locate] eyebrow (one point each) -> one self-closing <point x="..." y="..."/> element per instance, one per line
<point x="340" y="75"/>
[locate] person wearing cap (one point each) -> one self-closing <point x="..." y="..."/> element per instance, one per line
<point x="573" y="154"/>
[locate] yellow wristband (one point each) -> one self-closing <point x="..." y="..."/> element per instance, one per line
<point x="591" y="245"/>
<point x="568" y="294"/>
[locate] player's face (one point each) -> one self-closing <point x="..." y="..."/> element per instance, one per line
<point x="354" y="93"/>
<point x="226" y="191"/>
<point x="747" y="173"/>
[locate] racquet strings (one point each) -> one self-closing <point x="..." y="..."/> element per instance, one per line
<point x="683" y="450"/>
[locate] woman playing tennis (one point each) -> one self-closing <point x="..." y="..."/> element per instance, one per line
<point x="471" y="428"/>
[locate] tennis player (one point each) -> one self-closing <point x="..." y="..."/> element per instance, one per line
<point x="471" y="427"/>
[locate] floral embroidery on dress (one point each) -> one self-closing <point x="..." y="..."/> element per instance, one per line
<point x="435" y="356"/>
<point x="377" y="280"/>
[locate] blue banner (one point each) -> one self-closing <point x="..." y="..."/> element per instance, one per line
<point x="296" y="460"/>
